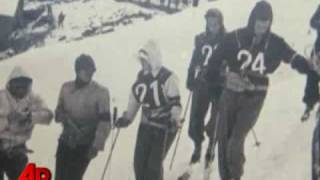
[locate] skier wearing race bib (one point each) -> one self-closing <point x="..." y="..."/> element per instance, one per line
<point x="204" y="94"/>
<point x="156" y="91"/>
<point x="251" y="54"/>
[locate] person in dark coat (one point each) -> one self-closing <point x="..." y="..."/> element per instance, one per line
<point x="204" y="95"/>
<point x="251" y="54"/>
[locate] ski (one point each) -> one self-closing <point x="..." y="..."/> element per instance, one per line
<point x="187" y="174"/>
<point x="208" y="170"/>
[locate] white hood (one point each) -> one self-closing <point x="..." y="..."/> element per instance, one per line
<point x="18" y="72"/>
<point x="154" y="57"/>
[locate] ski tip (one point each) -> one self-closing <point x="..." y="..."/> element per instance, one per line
<point x="185" y="176"/>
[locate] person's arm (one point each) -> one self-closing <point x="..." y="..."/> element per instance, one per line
<point x="132" y="109"/>
<point x="315" y="20"/>
<point x="104" y="118"/>
<point x="290" y="56"/>
<point x="60" y="112"/>
<point x="311" y="92"/>
<point x="193" y="64"/>
<point x="172" y="91"/>
<point x="3" y="113"/>
<point x="129" y="115"/>
<point x="40" y="113"/>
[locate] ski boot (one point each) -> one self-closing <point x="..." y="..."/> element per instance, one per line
<point x="196" y="155"/>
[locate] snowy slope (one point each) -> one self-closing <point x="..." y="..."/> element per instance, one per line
<point x="285" y="150"/>
<point x="98" y="16"/>
<point x="8" y="7"/>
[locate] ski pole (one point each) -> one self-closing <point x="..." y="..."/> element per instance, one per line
<point x="308" y="50"/>
<point x="115" y="110"/>
<point x="165" y="142"/>
<point x="257" y="142"/>
<point x="112" y="131"/>
<point x="213" y="142"/>
<point x="180" y="130"/>
<point x="306" y="115"/>
<point x="316" y="166"/>
<point x="183" y="119"/>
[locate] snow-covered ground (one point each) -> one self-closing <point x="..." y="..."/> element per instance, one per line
<point x="285" y="150"/>
<point x="97" y="16"/>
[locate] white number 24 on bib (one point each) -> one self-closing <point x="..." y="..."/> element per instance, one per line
<point x="258" y="64"/>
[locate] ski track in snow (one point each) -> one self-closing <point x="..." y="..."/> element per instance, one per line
<point x="286" y="142"/>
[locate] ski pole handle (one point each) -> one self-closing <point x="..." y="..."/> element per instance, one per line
<point x="115" y="116"/>
<point x="115" y="113"/>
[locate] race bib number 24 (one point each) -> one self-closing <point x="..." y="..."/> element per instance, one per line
<point x="257" y="64"/>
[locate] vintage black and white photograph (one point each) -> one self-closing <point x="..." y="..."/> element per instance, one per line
<point x="159" y="90"/>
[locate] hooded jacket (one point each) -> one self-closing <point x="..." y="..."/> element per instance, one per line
<point x="204" y="48"/>
<point x="157" y="92"/>
<point x="249" y="61"/>
<point x="13" y="133"/>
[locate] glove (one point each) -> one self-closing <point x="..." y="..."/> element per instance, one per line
<point x="61" y="116"/>
<point x="16" y="116"/>
<point x="19" y="121"/>
<point x="122" y="122"/>
<point x="190" y="82"/>
<point x="92" y="153"/>
<point x="175" y="124"/>
<point x="301" y="64"/>
<point x="306" y="114"/>
<point x="190" y="85"/>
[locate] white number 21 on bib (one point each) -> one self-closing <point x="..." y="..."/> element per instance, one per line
<point x="142" y="88"/>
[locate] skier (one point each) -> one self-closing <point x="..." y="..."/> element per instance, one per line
<point x="251" y="53"/>
<point x="61" y="18"/>
<point x="204" y="94"/>
<point x="83" y="110"/>
<point x="156" y="92"/>
<point x="20" y="110"/>
<point x="311" y="96"/>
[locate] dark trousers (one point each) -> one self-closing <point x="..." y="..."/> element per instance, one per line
<point x="12" y="165"/>
<point x="71" y="163"/>
<point x="316" y="153"/>
<point x="238" y="113"/>
<point x="195" y="3"/>
<point x="202" y="97"/>
<point x="151" y="149"/>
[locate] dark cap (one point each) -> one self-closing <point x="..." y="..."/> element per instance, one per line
<point x="85" y="62"/>
<point x="213" y="13"/>
<point x="262" y="11"/>
<point x="216" y="13"/>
